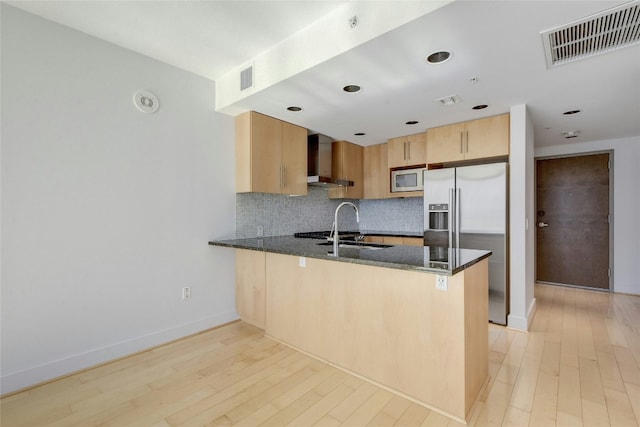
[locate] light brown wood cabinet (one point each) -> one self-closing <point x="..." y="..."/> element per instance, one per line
<point x="271" y="155"/>
<point x="376" y="172"/>
<point x="407" y="150"/>
<point x="395" y="240"/>
<point x="347" y="163"/>
<point x="476" y="139"/>
<point x="251" y="286"/>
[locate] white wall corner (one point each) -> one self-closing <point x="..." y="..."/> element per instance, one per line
<point x="520" y="323"/>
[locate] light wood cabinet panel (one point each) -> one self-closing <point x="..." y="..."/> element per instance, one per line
<point x="376" y="172"/>
<point x="407" y="150"/>
<point x="347" y="163"/>
<point x="294" y="159"/>
<point x="251" y="286"/>
<point x="395" y="327"/>
<point x="271" y="155"/>
<point x="395" y="240"/>
<point x="488" y="137"/>
<point x="476" y="139"/>
<point x="413" y="241"/>
<point x="445" y="143"/>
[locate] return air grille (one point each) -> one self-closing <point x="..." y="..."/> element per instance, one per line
<point x="596" y="34"/>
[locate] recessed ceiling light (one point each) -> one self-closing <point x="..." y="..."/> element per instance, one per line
<point x="352" y="88"/>
<point x="412" y="122"/>
<point x="294" y="108"/>
<point x="571" y="112"/>
<point x="438" y="57"/>
<point x="479" y="107"/>
<point x="360" y="134"/>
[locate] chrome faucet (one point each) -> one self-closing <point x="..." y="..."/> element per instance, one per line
<point x="336" y="238"/>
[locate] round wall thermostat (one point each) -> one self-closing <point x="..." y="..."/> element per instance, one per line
<point x="146" y="101"/>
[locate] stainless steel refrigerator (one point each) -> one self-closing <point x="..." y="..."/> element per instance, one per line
<point x="466" y="207"/>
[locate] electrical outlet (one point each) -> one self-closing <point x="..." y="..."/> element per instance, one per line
<point x="302" y="261"/>
<point x="186" y="292"/>
<point x="441" y="282"/>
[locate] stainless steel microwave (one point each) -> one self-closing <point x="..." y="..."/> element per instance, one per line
<point x="407" y="180"/>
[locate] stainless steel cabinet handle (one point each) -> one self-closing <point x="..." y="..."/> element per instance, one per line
<point x="408" y="150"/>
<point x="467" y="141"/>
<point x="461" y="142"/>
<point x="542" y="224"/>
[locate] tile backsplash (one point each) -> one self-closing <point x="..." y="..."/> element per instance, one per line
<point x="392" y="214"/>
<point x="279" y="215"/>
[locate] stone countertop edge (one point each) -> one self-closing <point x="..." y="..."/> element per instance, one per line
<point x="398" y="257"/>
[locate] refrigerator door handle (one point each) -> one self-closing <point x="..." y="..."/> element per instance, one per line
<point x="451" y="216"/>
<point x="457" y="220"/>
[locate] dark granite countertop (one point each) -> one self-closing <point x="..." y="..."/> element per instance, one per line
<point x="427" y="259"/>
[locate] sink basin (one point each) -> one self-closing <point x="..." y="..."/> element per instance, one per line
<point x="357" y="245"/>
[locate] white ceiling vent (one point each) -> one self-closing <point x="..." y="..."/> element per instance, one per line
<point x="603" y="32"/>
<point x="246" y="78"/>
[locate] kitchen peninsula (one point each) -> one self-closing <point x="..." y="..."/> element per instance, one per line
<point x="412" y="319"/>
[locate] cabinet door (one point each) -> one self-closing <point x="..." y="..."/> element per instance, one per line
<point x="488" y="137"/>
<point x="294" y="160"/>
<point x="347" y="164"/>
<point x="376" y="172"/>
<point x="445" y="143"/>
<point x="417" y="149"/>
<point x="413" y="241"/>
<point x="397" y="152"/>
<point x="266" y="136"/>
<point x="250" y="286"/>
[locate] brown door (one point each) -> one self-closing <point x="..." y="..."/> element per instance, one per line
<point x="572" y="221"/>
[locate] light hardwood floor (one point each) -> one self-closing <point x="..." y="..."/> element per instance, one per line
<point x="579" y="365"/>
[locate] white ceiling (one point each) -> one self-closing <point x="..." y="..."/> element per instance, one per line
<point x="498" y="42"/>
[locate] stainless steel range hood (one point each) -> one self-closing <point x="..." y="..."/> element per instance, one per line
<point x="319" y="163"/>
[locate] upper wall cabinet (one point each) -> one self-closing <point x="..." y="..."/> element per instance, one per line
<point x="477" y="139"/>
<point x="376" y="172"/>
<point x="407" y="150"/>
<point x="347" y="164"/>
<point x="271" y="155"/>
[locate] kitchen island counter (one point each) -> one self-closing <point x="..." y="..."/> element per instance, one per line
<point x="436" y="260"/>
<point x="393" y="316"/>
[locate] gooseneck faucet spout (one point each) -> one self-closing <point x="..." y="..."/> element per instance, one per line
<point x="336" y="238"/>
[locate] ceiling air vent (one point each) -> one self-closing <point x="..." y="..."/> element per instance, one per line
<point x="246" y="78"/>
<point x="596" y="34"/>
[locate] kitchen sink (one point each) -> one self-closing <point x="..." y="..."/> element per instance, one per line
<point x="357" y="245"/>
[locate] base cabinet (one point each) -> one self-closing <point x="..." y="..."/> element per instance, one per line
<point x="395" y="240"/>
<point x="251" y="287"/>
<point x="391" y="326"/>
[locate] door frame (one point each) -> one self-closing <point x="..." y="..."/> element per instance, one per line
<point x="611" y="214"/>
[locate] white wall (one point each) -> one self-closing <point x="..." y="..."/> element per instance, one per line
<point x="626" y="205"/>
<point x="106" y="211"/>
<point x="521" y="234"/>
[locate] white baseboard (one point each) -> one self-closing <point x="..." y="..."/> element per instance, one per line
<point x="58" y="368"/>
<point x="522" y="323"/>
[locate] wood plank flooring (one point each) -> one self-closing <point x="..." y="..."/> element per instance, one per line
<point x="578" y="366"/>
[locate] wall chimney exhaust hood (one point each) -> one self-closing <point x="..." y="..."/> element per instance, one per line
<point x="319" y="163"/>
